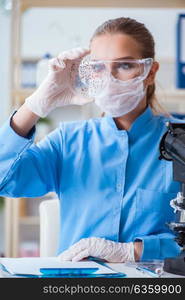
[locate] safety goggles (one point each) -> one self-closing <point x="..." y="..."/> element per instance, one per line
<point x="94" y="74"/>
<point x="124" y="69"/>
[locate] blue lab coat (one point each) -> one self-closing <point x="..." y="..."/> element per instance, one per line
<point x="110" y="182"/>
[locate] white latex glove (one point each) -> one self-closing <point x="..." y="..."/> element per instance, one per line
<point x="56" y="90"/>
<point x="100" y="248"/>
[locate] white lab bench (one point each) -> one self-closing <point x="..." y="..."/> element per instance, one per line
<point x="130" y="270"/>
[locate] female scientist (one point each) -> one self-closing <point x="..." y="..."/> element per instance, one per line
<point x="114" y="191"/>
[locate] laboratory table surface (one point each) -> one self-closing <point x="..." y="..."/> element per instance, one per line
<point x="127" y="268"/>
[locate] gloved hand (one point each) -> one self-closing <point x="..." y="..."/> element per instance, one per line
<point x="56" y="90"/>
<point x="101" y="248"/>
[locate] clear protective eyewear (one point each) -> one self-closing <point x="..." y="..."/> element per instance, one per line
<point x="94" y="74"/>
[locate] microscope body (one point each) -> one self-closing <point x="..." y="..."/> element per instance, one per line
<point x="172" y="148"/>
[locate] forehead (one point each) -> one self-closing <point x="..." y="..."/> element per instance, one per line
<point x="113" y="46"/>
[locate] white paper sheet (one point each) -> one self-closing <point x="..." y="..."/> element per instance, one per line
<point x="32" y="265"/>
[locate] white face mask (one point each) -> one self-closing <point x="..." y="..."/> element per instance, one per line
<point x="117" y="99"/>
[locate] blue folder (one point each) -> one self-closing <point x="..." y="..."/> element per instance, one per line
<point x="180" y="52"/>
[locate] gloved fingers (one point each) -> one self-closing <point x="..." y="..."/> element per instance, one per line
<point x="94" y="248"/>
<point x="81" y="255"/>
<point x="55" y="64"/>
<point x="73" y="250"/>
<point x="65" y="256"/>
<point x="73" y="53"/>
<point x="59" y="62"/>
<point x="101" y="248"/>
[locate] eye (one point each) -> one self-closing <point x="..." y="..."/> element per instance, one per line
<point x="98" y="67"/>
<point x="125" y="66"/>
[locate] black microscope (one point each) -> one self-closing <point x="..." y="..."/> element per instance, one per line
<point x="172" y="148"/>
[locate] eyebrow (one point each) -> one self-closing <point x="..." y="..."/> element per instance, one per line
<point x="116" y="59"/>
<point x="125" y="57"/>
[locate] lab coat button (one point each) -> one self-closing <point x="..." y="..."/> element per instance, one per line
<point x="118" y="186"/>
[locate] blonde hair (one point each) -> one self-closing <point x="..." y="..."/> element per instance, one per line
<point x="142" y="35"/>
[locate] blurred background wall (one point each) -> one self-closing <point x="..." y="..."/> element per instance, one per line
<point x="52" y="30"/>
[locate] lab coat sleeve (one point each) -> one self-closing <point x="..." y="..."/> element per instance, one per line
<point x="158" y="246"/>
<point x="27" y="169"/>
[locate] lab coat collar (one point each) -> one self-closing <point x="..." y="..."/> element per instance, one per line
<point x="137" y="126"/>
